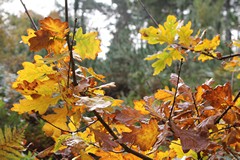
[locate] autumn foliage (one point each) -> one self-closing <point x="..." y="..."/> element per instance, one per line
<point x="177" y="122"/>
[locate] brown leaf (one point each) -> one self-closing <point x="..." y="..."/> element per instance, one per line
<point x="230" y="117"/>
<point x="128" y="116"/>
<point x="41" y="40"/>
<point x="190" y="139"/>
<point x="208" y="123"/>
<point x="219" y="97"/>
<point x="105" y="140"/>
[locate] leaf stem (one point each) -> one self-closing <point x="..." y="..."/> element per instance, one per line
<point x="26" y="11"/>
<point x="115" y="137"/>
<point x="176" y="89"/>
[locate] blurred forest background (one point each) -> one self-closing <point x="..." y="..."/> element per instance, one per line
<point x="124" y="62"/>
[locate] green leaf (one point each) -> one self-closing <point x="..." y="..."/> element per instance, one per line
<point x="164" y="58"/>
<point x="87" y="45"/>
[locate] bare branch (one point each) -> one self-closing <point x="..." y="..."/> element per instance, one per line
<point x="70" y="46"/>
<point x="175" y="95"/>
<point x="151" y="17"/>
<point x="30" y="18"/>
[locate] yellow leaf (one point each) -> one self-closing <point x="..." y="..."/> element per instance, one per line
<point x="87" y="45"/>
<point x="35" y="71"/>
<point x="184" y="34"/>
<point x="162" y="34"/>
<point x="39" y="104"/>
<point x="117" y="102"/>
<point x="164" y="58"/>
<point x="140" y="106"/>
<point x="208" y="44"/>
<point x="30" y="33"/>
<point x="152" y="35"/>
<point x="176" y="146"/>
<point x="60" y="121"/>
<point x="236" y="43"/>
<point x="97" y="76"/>
<point x="233" y="65"/>
<point x="164" y="95"/>
<point x="99" y="92"/>
<point x="121" y="128"/>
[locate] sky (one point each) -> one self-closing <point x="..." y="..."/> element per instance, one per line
<point x="44" y="7"/>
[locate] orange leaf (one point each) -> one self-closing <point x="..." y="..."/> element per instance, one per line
<point x="144" y="137"/>
<point x="219" y="97"/>
<point x="41" y="40"/>
<point x="55" y="26"/>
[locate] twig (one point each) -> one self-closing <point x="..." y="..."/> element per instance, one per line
<point x="115" y="137"/>
<point x="195" y="105"/>
<point x="176" y="89"/>
<point x="228" y="56"/>
<point x="143" y="6"/>
<point x="26" y="11"/>
<point x="63" y="130"/>
<point x="229" y="107"/>
<point x="70" y="45"/>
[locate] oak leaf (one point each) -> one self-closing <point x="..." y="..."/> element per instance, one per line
<point x="128" y="116"/>
<point x="190" y="139"/>
<point x="144" y="137"/>
<point x="93" y="103"/>
<point x="219" y="97"/>
<point x="162" y="34"/>
<point x="164" y="58"/>
<point x="25" y="39"/>
<point x="87" y="45"/>
<point x="55" y="26"/>
<point x="140" y="106"/>
<point x="41" y="40"/>
<point x="34" y="71"/>
<point x="39" y="104"/>
<point x="106" y="142"/>
<point x="60" y="121"/>
<point x="184" y="34"/>
<point x="207" y="47"/>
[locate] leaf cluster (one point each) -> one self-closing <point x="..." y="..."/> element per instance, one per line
<point x="87" y="124"/>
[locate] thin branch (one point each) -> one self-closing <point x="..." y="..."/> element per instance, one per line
<point x="151" y="17"/>
<point x="195" y="105"/>
<point x="176" y="89"/>
<point x="26" y="11"/>
<point x="70" y="45"/>
<point x="229" y="107"/>
<point x="115" y="137"/>
<point x="228" y="56"/>
<point x="63" y="130"/>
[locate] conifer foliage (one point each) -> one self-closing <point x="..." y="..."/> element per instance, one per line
<point x="86" y="124"/>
